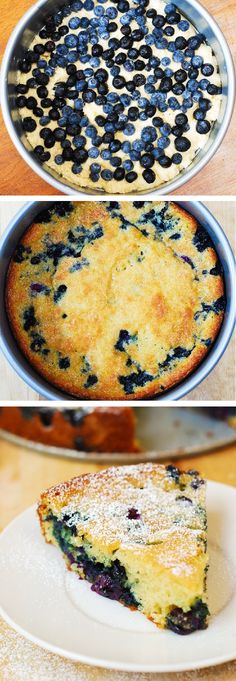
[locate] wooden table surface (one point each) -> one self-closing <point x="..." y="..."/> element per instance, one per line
<point x="23" y="475"/>
<point x="17" y="178"/>
<point x="220" y="384"/>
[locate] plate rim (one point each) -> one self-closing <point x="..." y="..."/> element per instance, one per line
<point x="102" y="663"/>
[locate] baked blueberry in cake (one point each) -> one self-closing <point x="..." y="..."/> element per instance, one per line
<point x="115" y="300"/>
<point x="118" y="95"/>
<point x="87" y="429"/>
<point x="138" y="534"/>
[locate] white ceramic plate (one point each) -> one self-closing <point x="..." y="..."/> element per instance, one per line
<point x="54" y="609"/>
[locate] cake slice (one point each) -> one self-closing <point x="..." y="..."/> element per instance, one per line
<point x="138" y="534"/>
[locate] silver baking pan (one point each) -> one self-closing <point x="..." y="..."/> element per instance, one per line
<point x="20" y="40"/>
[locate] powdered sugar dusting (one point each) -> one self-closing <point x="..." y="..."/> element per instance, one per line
<point x="20" y="660"/>
<point x="166" y="510"/>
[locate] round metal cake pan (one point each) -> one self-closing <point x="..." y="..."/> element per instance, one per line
<point x="20" y="40"/>
<point x="169" y="434"/>
<point x="9" y="345"/>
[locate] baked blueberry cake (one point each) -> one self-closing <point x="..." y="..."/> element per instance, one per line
<point x="114" y="300"/>
<point x="118" y="95"/>
<point x="227" y="414"/>
<point x="138" y="534"/>
<point x="87" y="429"/>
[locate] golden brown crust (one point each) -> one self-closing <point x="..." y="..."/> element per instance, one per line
<point x="151" y="272"/>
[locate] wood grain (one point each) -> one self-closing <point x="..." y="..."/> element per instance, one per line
<point x="23" y="475"/>
<point x="220" y="384"/>
<point x="218" y="177"/>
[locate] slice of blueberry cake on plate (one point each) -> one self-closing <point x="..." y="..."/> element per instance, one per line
<point x="138" y="534"/>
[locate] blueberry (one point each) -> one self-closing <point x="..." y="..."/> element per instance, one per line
<point x="79" y="141"/>
<point x="37" y="343"/>
<point x="165" y="129"/>
<point x="93" y="152"/>
<point x="180" y="76"/>
<point x="138" y="145"/>
<point x="170" y="7"/>
<point x="59" y="159"/>
<point x="164" y="161"/>
<point x="173" y="472"/>
<point x="79" y="155"/>
<point x="203" y="127"/>
<point x="178" y="89"/>
<point x="76" y="168"/>
<point x="21" y="101"/>
<point x="199" y="114"/>
<point x="147" y="161"/>
<point x="195" y="41"/>
<point x="169" y="30"/>
<point x="129" y="129"/>
<point x="119" y="174"/>
<point x="64" y="362"/>
<point x="186" y="622"/>
<point x="149" y="176"/>
<point x="74" y="22"/>
<point x="192" y="85"/>
<point x="176" y="158"/>
<point x="99" y="11"/>
<point x="128" y="165"/>
<point x="91" y="380"/>
<point x="22" y="89"/>
<point x="180" y="43"/>
<point x="115" y="146"/>
<point x="158" y="21"/>
<point x="106" y="154"/>
<point x="71" y="40"/>
<point x="197" y="482"/>
<point x="173" y="17"/>
<point x="182" y="144"/>
<point x="131" y="176"/>
<point x="133" y="514"/>
<point x="89" y="96"/>
<point x="60" y="291"/>
<point x="213" y="89"/>
<point x="207" y="69"/>
<point x="183" y="25"/>
<point x="29" y="124"/>
<point x="107" y="175"/>
<point x="162" y="143"/>
<point x="39" y="288"/>
<point x="197" y="61"/>
<point x="181" y="119"/>
<point x="148" y="134"/>
<point x="118" y="82"/>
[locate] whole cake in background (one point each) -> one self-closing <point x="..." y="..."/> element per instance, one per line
<point x="91" y="429"/>
<point x="118" y="95"/>
<point x="227" y="414"/>
<point x="115" y="300"/>
<point x="139" y="535"/>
